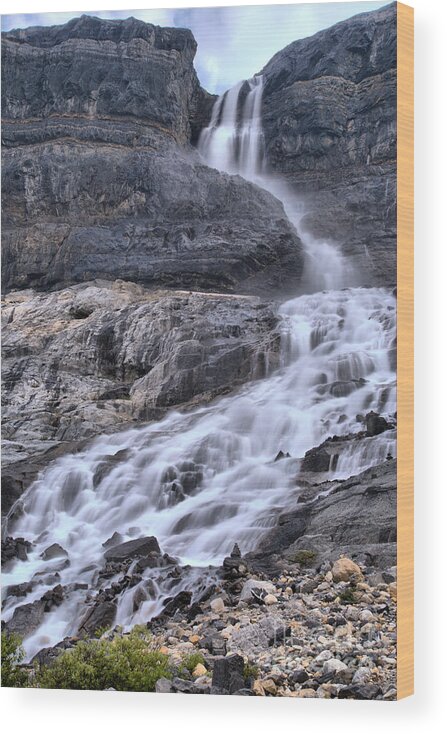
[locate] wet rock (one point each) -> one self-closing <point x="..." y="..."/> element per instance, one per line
<point x="133" y="549"/>
<point x="26" y="618"/>
<point x="108" y="463"/>
<point x="376" y="424"/>
<point x="53" y="598"/>
<point x="228" y="673"/>
<point x="15" y="548"/>
<point x="354" y="517"/>
<point x="101" y="615"/>
<point x="281" y="455"/>
<point x="316" y="460"/>
<point x="180" y="602"/>
<point x="114" y="540"/>
<point x="54" y="551"/>
<point x="19" y="589"/>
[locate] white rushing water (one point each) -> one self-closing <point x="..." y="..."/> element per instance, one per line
<point x="202" y="480"/>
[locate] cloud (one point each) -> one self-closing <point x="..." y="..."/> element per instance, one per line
<point x="234" y="42"/>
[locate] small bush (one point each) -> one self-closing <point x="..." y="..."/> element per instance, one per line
<point x="250" y="671"/>
<point x="12" y="655"/>
<point x="125" y="663"/>
<point x="304" y="557"/>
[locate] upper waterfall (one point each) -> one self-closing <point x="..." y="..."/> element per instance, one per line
<point x="232" y="142"/>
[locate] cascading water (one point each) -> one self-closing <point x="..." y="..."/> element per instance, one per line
<point x="202" y="480"/>
<point x="233" y="142"/>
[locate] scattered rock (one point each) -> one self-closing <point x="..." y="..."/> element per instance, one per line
<point x="199" y="670"/>
<point x="218" y="605"/>
<point x="13" y="548"/>
<point x="255" y="585"/>
<point x="163" y="685"/>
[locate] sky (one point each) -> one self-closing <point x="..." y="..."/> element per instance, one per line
<point x="234" y="42"/>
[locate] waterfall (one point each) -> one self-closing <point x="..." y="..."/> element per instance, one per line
<point x="199" y="481"/>
<point x="233" y="142"/>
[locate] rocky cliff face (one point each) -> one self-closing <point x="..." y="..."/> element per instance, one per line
<point x="329" y="118"/>
<point x="98" y="357"/>
<point x="99" y="179"/>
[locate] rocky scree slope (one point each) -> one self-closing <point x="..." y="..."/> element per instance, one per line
<point x="329" y="121"/>
<point x="100" y="179"/>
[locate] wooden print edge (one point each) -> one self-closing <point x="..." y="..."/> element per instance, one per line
<point x="405" y="351"/>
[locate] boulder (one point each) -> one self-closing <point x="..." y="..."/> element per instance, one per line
<point x="333" y="666"/>
<point x="316" y="460"/>
<point x="376" y="424"/>
<point x="163" y="685"/>
<point x="114" y="540"/>
<point x="346" y="570"/>
<point x="54" y="551"/>
<point x="26" y="618"/>
<point x="101" y="615"/>
<point x="228" y="673"/>
<point x="255" y="585"/>
<point x="138" y="548"/>
<point x="217" y="605"/>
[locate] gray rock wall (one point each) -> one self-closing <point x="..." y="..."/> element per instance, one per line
<point x="99" y="179"/>
<point x="97" y="357"/>
<point x="329" y="117"/>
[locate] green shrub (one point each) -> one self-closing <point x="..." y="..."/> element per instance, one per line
<point x="12" y="655"/>
<point x="189" y="662"/>
<point x="304" y="557"/>
<point x="126" y="663"/>
<point x="250" y="671"/>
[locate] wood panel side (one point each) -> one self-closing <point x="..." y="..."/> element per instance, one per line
<point x="405" y="350"/>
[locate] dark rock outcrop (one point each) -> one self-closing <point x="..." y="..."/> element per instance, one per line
<point x="356" y="518"/>
<point x="100" y="180"/>
<point x="98" y="617"/>
<point x="28" y="617"/>
<point x="228" y="673"/>
<point x="329" y="118"/>
<point x="15" y="548"/>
